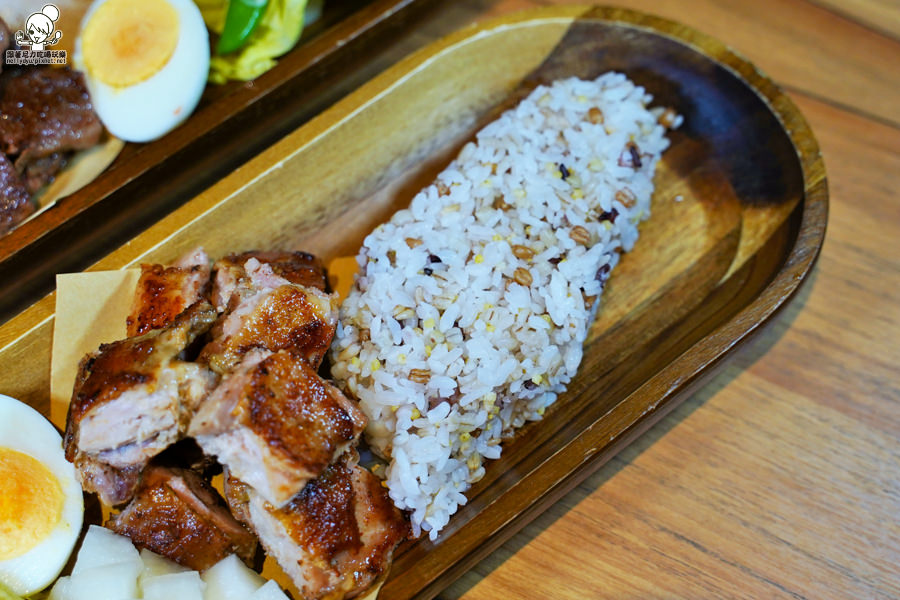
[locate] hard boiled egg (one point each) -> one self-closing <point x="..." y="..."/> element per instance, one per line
<point x="41" y="507"/>
<point x="145" y="64"/>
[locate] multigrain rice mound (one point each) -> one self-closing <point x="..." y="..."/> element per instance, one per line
<point x="469" y="313"/>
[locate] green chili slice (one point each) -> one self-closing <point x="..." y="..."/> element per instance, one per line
<point x="241" y="19"/>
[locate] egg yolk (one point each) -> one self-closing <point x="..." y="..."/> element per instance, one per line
<point x="128" y="41"/>
<point x="31" y="502"/>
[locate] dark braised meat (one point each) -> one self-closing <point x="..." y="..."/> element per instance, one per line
<point x="178" y="515"/>
<point x="266" y="311"/>
<point x="5" y="40"/>
<point x="42" y="171"/>
<point x="162" y="293"/>
<point x="276" y="424"/>
<point x="45" y="115"/>
<point x="335" y="537"/>
<point x="133" y="398"/>
<point x="15" y="201"/>
<point x="45" y="111"/>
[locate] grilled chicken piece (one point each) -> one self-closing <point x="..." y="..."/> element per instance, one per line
<point x="113" y="485"/>
<point x="132" y="399"/>
<point x="267" y="311"/>
<point x="175" y="513"/>
<point x="162" y="293"/>
<point x="289" y="317"/>
<point x="335" y="538"/>
<point x="276" y="424"/>
<point x="234" y="281"/>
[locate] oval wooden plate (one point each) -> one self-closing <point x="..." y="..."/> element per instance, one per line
<point x="739" y="216"/>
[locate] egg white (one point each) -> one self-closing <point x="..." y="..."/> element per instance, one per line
<point x="151" y="108"/>
<point x="24" y="429"/>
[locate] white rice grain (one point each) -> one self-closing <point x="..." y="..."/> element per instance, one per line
<point x="470" y="311"/>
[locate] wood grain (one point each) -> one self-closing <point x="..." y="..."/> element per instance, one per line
<point x="800" y="44"/>
<point x="781" y="478"/>
<point x="880" y="15"/>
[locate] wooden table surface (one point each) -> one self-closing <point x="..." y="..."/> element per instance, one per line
<point x="780" y="478"/>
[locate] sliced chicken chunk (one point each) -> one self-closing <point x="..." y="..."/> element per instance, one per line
<point x="240" y="275"/>
<point x="113" y="485"/>
<point x="276" y="424"/>
<point x="335" y="538"/>
<point x="162" y="293"/>
<point x="267" y="312"/>
<point x="132" y="399"/>
<point x="177" y="514"/>
<point x="290" y="317"/>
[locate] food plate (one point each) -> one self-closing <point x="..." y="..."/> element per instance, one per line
<point x="739" y="216"/>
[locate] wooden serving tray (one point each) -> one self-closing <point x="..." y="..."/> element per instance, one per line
<point x="739" y="217"/>
<point x="233" y="122"/>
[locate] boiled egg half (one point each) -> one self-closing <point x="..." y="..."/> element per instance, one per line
<point x="145" y="64"/>
<point x="41" y="506"/>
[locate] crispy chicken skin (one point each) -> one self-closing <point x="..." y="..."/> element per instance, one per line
<point x="177" y="514"/>
<point x="276" y="424"/>
<point x="335" y="538"/>
<point x="162" y="293"/>
<point x="132" y="399"/>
